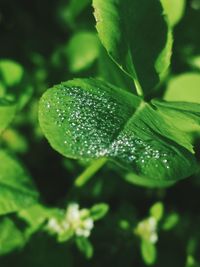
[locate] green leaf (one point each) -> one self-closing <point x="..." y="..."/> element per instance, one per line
<point x="14" y="141"/>
<point x="183" y="117"/>
<point x="82" y="56"/>
<point x="136" y="36"/>
<point x="69" y="13"/>
<point x="16" y="188"/>
<point x="7" y="113"/>
<point x="65" y="236"/>
<point x="10" y="72"/>
<point x="191" y="262"/>
<point x="157" y="211"/>
<point x="174" y="9"/>
<point x="170" y="221"/>
<point x="85" y="246"/>
<point x="98" y="211"/>
<point x="145" y="181"/>
<point x="184" y="87"/>
<point x="149" y="252"/>
<point x="34" y="216"/>
<point x="110" y="72"/>
<point x="14" y="85"/>
<point x="11" y="237"/>
<point x="91" y="119"/>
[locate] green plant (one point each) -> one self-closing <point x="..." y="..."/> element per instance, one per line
<point x="126" y="135"/>
<point x="92" y="119"/>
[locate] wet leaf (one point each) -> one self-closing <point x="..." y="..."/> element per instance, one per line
<point x="90" y="119"/>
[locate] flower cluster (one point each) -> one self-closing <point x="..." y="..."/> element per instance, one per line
<point x="147" y="230"/>
<point x="75" y="222"/>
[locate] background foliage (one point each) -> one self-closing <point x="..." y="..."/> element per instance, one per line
<point x="65" y="212"/>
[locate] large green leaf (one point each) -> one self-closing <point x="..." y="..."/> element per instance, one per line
<point x="16" y="188"/>
<point x="91" y="119"/>
<point x="136" y="36"/>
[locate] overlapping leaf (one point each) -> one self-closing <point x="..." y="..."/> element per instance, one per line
<point x="137" y="37"/>
<point x="91" y="119"/>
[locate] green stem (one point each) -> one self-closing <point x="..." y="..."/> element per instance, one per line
<point x="85" y="176"/>
<point x="138" y="87"/>
<point x="134" y="73"/>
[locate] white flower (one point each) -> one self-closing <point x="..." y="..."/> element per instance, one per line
<point x="147" y="229"/>
<point x="54" y="225"/>
<point x="77" y="221"/>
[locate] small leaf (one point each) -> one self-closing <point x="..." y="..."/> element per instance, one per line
<point x="174" y="9"/>
<point x="16" y="188"/>
<point x="7" y="113"/>
<point x="85" y="246"/>
<point x="98" y="211"/>
<point x="82" y="56"/>
<point x="65" y="236"/>
<point x="170" y="221"/>
<point x="11" y="237"/>
<point x="13" y="83"/>
<point x="136" y="36"/>
<point x="35" y="216"/>
<point x="149" y="252"/>
<point x="90" y="119"/>
<point x="157" y="211"/>
<point x="11" y="72"/>
<point x="69" y="12"/>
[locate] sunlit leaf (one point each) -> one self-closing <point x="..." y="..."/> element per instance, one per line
<point x="174" y="9"/>
<point x="136" y="36"/>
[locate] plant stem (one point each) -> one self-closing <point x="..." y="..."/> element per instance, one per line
<point x="87" y="174"/>
<point x="138" y="87"/>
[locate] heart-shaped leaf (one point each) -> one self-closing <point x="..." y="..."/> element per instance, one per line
<point x="91" y="119"/>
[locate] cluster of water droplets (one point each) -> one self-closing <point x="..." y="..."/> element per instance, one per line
<point x="90" y="120"/>
<point x="92" y="123"/>
<point x="128" y="147"/>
